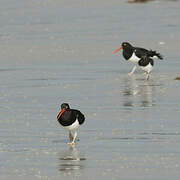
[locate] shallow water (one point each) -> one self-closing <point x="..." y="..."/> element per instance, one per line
<point x="59" y="51"/>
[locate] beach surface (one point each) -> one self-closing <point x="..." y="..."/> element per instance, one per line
<point x="55" y="51"/>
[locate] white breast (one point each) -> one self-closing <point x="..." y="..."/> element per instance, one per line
<point x="73" y="126"/>
<point x="134" y="59"/>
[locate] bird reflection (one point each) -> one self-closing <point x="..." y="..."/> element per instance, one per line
<point x="71" y="160"/>
<point x="137" y="91"/>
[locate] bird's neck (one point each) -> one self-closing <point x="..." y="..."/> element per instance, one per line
<point x="127" y="53"/>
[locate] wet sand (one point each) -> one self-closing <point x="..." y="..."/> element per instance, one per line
<point x="59" y="51"/>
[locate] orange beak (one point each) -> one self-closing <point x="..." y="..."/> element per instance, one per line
<point x="117" y="50"/>
<point x="59" y="115"/>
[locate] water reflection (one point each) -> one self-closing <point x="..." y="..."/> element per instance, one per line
<point x="138" y="92"/>
<point x="71" y="160"/>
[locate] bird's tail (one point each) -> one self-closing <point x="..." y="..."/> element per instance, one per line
<point x="155" y="54"/>
<point x="80" y="117"/>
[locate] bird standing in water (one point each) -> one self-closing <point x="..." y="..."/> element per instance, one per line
<point x="70" y="120"/>
<point x="134" y="54"/>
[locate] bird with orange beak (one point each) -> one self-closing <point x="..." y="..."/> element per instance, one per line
<point x="134" y="54"/>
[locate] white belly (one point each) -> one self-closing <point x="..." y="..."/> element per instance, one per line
<point x="147" y="68"/>
<point x="134" y="59"/>
<point x="72" y="127"/>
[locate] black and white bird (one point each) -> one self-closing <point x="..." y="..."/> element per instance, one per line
<point x="134" y="54"/>
<point x="70" y="120"/>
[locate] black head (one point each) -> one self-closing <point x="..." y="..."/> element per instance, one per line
<point x="126" y="45"/>
<point x="65" y="106"/>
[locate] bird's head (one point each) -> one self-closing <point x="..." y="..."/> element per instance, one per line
<point x="124" y="45"/>
<point x="65" y="106"/>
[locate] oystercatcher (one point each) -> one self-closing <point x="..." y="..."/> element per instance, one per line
<point x="70" y="119"/>
<point x="134" y="54"/>
<point x="146" y="64"/>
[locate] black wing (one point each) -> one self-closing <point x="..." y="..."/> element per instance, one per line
<point x="145" y="60"/>
<point x="80" y="117"/>
<point x="154" y="53"/>
<point x="139" y="52"/>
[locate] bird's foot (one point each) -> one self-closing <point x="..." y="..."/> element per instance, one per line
<point x="130" y="74"/>
<point x="71" y="143"/>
